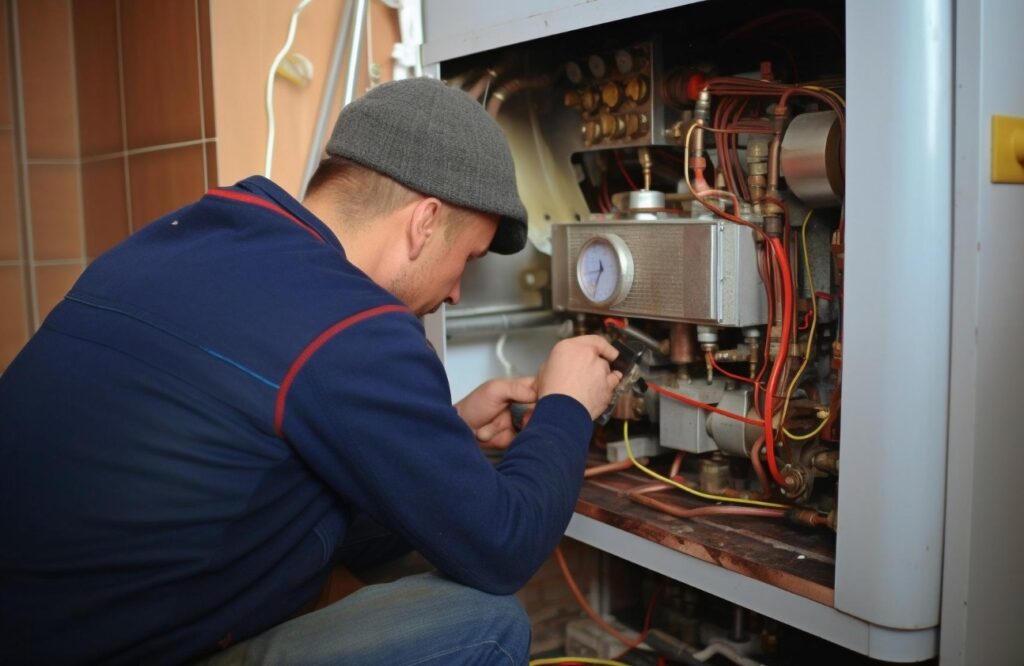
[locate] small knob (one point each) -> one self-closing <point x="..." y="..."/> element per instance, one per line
<point x="591" y="131"/>
<point x="612" y="127"/>
<point x="611" y="95"/>
<point x="572" y="99"/>
<point x="591" y="100"/>
<point x="636" y="124"/>
<point x="636" y="89"/>
<point x="573" y="72"/>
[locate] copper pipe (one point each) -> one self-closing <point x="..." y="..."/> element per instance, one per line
<point x="649" y="488"/>
<point x="510" y="88"/>
<point x="598" y="470"/>
<point x="676" y="462"/>
<point x="682" y="343"/>
<point x="755" y="462"/>
<point x="679" y="512"/>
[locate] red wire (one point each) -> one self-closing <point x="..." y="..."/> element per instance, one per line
<point x="622" y="168"/>
<point x="714" y="364"/>
<point x="646" y="629"/>
<point x="773" y="380"/>
<point x="703" y="405"/>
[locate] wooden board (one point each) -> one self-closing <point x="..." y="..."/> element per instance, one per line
<point x="798" y="559"/>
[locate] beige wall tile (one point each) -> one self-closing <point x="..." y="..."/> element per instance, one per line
<point x="56" y="211"/>
<point x="163" y="181"/>
<point x="206" y="63"/>
<point x="6" y="111"/>
<point x="10" y="244"/>
<point x="211" y="166"/>
<point x="52" y="282"/>
<point x="104" y="205"/>
<point x="14" y="320"/>
<point x="247" y="34"/>
<point x="44" y="28"/>
<point x="161" y="71"/>
<point x="98" y="80"/>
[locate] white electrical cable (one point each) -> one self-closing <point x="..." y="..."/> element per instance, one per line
<point x="499" y="351"/>
<point x="270" y="83"/>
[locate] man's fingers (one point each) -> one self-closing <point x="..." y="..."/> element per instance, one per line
<point x="522" y="389"/>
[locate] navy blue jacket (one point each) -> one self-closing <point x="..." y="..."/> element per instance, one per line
<point x="185" y="440"/>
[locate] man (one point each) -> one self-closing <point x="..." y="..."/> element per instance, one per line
<point x="199" y="425"/>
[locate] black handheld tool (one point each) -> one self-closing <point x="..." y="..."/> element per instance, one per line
<point x="626" y="363"/>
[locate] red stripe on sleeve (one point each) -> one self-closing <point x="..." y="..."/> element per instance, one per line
<point x="263" y="203"/>
<point x="311" y="348"/>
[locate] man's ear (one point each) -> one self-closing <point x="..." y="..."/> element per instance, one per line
<point x="424" y="222"/>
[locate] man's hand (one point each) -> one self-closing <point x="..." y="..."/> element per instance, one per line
<point x="578" y="368"/>
<point x="486" y="411"/>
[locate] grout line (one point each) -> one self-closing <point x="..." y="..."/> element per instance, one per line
<point x="77" y="129"/>
<point x="26" y="207"/>
<point x="57" y="262"/>
<point x="124" y="119"/>
<point x="9" y="263"/>
<point x="54" y="161"/>
<point x="147" y="149"/>
<point x="199" y="81"/>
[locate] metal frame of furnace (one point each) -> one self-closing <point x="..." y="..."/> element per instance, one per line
<point x="897" y="318"/>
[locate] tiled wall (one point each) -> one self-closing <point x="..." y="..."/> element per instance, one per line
<point x="106" y="122"/>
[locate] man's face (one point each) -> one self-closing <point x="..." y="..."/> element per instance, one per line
<point x="436" y="275"/>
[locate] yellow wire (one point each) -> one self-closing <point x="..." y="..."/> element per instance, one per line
<point x="576" y="660"/>
<point x="810" y="338"/>
<point x="664" y="479"/>
<point x="810" y="435"/>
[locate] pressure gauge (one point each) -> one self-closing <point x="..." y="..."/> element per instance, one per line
<point x="604" y="270"/>
<point x="597" y="66"/>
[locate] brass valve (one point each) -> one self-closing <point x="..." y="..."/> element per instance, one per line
<point x="590" y="100"/>
<point x="612" y="127"/>
<point x="591" y="131"/>
<point x="636" y="89"/>
<point x="611" y="95"/>
<point x="637" y="124"/>
<point x="572" y="99"/>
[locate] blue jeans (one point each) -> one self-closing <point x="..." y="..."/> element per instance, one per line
<point x="422" y="619"/>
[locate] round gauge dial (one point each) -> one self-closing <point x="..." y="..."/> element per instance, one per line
<point x="604" y="270"/>
<point x="597" y="66"/>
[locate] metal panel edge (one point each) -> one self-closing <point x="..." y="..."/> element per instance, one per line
<point x="897" y="319"/>
<point x="768" y="600"/>
<point x="439" y="47"/>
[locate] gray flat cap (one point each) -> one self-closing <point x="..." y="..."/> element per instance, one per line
<point x="439" y="142"/>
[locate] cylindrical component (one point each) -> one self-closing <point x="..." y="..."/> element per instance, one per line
<point x="497" y="323"/>
<point x="683" y="343"/>
<point x="612" y="127"/>
<point x="624" y="61"/>
<point x="714" y="475"/>
<point x="590" y="100"/>
<point x="646" y="165"/>
<point x="573" y="72"/>
<point x="811" y="160"/>
<point x="636" y="125"/>
<point x="611" y="95"/>
<point x="707" y="336"/>
<point x="591" y="131"/>
<point x="739" y="624"/>
<point x="572" y="99"/>
<point x="636" y="89"/>
<point x="734" y="437"/>
<point x="644" y="200"/>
